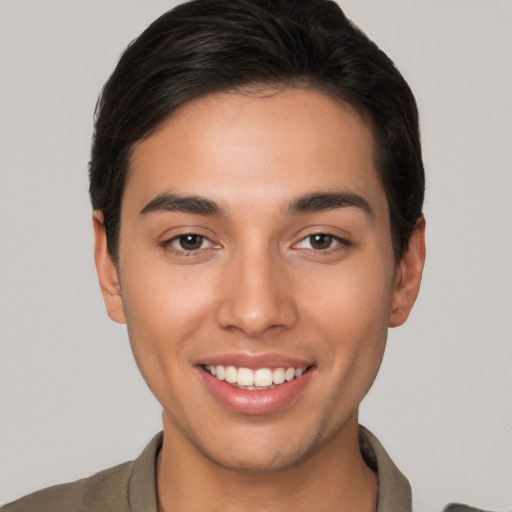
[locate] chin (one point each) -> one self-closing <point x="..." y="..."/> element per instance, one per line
<point x="261" y="464"/>
<point x="260" y="457"/>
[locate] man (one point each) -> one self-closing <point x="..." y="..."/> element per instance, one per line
<point x="257" y="186"/>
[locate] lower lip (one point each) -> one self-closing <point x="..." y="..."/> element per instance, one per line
<point x="256" y="402"/>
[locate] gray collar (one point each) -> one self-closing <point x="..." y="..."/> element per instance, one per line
<point x="394" y="489"/>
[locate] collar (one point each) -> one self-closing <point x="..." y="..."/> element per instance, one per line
<point x="394" y="489"/>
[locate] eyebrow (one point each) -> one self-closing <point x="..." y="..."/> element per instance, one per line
<point x="310" y="203"/>
<point x="324" y="201"/>
<point x="168" y="202"/>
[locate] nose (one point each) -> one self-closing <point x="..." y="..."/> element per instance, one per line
<point x="257" y="297"/>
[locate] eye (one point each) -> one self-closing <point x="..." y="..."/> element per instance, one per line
<point x="320" y="242"/>
<point x="189" y="242"/>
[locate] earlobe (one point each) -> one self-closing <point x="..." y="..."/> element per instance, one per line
<point x="107" y="272"/>
<point x="409" y="276"/>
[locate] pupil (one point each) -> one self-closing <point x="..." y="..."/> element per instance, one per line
<point x="321" y="241"/>
<point x="191" y="242"/>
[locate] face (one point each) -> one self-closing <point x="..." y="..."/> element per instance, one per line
<point x="256" y="274"/>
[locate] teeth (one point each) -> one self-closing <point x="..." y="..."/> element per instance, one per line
<point x="220" y="372"/>
<point x="262" y="378"/>
<point x="231" y="373"/>
<point x="245" y="377"/>
<point x="278" y="376"/>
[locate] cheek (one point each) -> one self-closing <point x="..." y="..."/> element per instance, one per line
<point x="157" y="293"/>
<point x="350" y="311"/>
<point x="355" y="294"/>
<point x="164" y="310"/>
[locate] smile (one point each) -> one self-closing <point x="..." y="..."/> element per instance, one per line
<point x="257" y="380"/>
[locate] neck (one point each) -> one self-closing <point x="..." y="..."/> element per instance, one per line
<point x="334" y="477"/>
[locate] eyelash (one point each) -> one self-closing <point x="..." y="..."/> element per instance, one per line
<point x="168" y="245"/>
<point x="336" y="244"/>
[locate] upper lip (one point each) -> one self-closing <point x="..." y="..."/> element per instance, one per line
<point x="255" y="361"/>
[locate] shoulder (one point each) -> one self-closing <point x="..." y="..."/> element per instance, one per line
<point x="458" y="507"/>
<point x="104" y="491"/>
<point x="129" y="486"/>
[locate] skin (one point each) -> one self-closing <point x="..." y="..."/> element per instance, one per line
<point x="256" y="285"/>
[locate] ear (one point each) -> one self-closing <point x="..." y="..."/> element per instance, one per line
<point x="107" y="271"/>
<point x="408" y="276"/>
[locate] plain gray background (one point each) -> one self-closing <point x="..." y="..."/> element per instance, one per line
<point x="72" y="401"/>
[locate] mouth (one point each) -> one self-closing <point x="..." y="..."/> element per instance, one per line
<point x="256" y="385"/>
<point x="255" y="380"/>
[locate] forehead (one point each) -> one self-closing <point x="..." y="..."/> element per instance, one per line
<point x="255" y="146"/>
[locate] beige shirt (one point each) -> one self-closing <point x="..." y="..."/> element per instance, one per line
<point x="131" y="487"/>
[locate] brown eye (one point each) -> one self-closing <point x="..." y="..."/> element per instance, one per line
<point x="320" y="241"/>
<point x="190" y="242"/>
